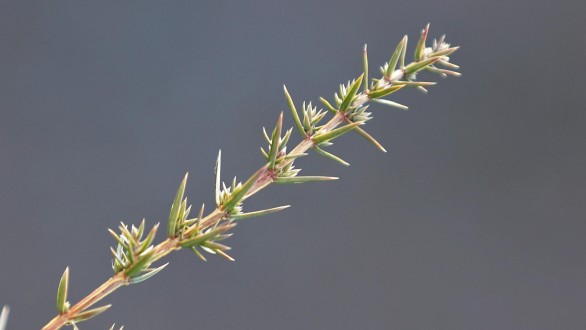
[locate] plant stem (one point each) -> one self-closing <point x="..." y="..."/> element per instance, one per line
<point x="98" y="294"/>
<point x="264" y="177"/>
<point x="172" y="244"/>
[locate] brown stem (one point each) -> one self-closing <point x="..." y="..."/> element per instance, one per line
<point x="98" y="294"/>
<point x="169" y="245"/>
<point x="264" y="179"/>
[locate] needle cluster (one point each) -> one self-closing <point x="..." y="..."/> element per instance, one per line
<point x="135" y="253"/>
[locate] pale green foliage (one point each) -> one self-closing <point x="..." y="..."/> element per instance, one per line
<point x="135" y="252"/>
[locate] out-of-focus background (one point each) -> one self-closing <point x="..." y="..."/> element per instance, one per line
<point x="475" y="219"/>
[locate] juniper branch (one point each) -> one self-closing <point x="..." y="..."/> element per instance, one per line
<point x="134" y="255"/>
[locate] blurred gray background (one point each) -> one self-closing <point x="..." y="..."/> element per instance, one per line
<point x="475" y="219"/>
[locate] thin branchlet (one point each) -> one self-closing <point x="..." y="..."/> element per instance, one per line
<point x="135" y="253"/>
